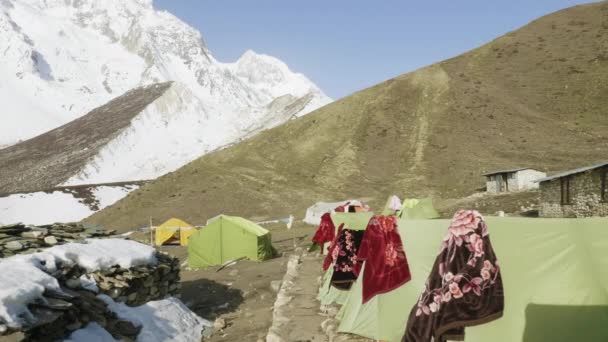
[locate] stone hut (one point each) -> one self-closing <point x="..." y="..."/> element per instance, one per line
<point x="581" y="192"/>
<point x="513" y="180"/>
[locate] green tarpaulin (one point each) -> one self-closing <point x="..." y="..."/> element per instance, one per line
<point x="413" y="209"/>
<point x="227" y="238"/>
<point x="554" y="271"/>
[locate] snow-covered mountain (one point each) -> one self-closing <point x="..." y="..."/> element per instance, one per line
<point x="59" y="59"/>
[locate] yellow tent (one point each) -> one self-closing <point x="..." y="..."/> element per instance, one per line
<point x="173" y="230"/>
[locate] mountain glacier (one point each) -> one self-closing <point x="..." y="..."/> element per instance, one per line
<point x="59" y="59"/>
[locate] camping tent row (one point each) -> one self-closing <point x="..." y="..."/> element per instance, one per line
<point x="225" y="238"/>
<point x="553" y="275"/>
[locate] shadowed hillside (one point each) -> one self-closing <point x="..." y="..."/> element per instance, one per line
<point x="36" y="163"/>
<point x="535" y="97"/>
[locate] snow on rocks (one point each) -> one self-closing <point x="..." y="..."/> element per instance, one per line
<point x="162" y="320"/>
<point x="101" y="290"/>
<point x="26" y="277"/>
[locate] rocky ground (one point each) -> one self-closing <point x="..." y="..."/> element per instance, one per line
<point x="240" y="298"/>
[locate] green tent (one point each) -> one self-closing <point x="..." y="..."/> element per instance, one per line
<point x="554" y="276"/>
<point x="413" y="208"/>
<point x="227" y="238"/>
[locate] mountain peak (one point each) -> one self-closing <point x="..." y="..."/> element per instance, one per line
<point x="66" y="58"/>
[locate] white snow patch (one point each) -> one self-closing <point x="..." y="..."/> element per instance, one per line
<point x="93" y="332"/>
<point x="45" y="208"/>
<point x="24" y="280"/>
<point x="162" y="320"/>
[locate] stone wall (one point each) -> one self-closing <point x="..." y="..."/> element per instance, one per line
<point x="22" y="239"/>
<point x="58" y="314"/>
<point x="585" y="195"/>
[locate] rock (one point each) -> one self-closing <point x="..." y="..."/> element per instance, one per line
<point x="73" y="283"/>
<point x="14" y="245"/>
<point x="127" y="328"/>
<point x="219" y="324"/>
<point x="233" y="273"/>
<point x="74" y="326"/>
<point x="32" y="234"/>
<point x="3" y="329"/>
<point x="115" y="293"/>
<point x="275" y="285"/>
<point x="50" y="240"/>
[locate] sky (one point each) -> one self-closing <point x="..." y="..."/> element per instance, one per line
<point x="345" y="46"/>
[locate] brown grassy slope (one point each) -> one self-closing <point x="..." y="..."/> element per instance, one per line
<point x="535" y="97"/>
<point x="36" y="164"/>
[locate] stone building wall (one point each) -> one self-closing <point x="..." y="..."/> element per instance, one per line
<point x="585" y="195"/>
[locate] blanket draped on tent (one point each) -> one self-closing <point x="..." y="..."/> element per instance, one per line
<point x="382" y="251"/>
<point x="464" y="287"/>
<point x="343" y="257"/>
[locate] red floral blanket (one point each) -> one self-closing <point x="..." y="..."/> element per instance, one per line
<point x="382" y="251"/>
<point x="464" y="287"/>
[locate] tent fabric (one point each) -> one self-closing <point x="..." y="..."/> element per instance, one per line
<point x="552" y="271"/>
<point x="173" y="229"/>
<point x="464" y="287"/>
<point x="329" y="294"/>
<point x="314" y="212"/>
<point x="227" y="238"/>
<point x="413" y="208"/>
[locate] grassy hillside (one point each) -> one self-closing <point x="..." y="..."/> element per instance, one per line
<point x="535" y="97"/>
<point x="53" y="157"/>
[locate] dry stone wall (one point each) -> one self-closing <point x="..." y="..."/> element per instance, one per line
<point x="58" y="313"/>
<point x="22" y="239"/>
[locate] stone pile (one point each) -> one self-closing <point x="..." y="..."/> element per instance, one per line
<point x="138" y="285"/>
<point x="59" y="313"/>
<point x="22" y="239"/>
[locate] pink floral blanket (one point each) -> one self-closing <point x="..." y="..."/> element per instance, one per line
<point x="464" y="287"/>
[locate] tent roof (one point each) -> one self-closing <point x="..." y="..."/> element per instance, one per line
<point x="174" y="223"/>
<point x="244" y="223"/>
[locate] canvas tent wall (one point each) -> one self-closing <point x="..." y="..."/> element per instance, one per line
<point x="227" y="238"/>
<point x="414" y="208"/>
<point x="555" y="285"/>
<point x="314" y="212"/>
<point x="173" y="230"/>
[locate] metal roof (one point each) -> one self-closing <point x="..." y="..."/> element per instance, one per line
<point x="505" y="171"/>
<point x="571" y="172"/>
